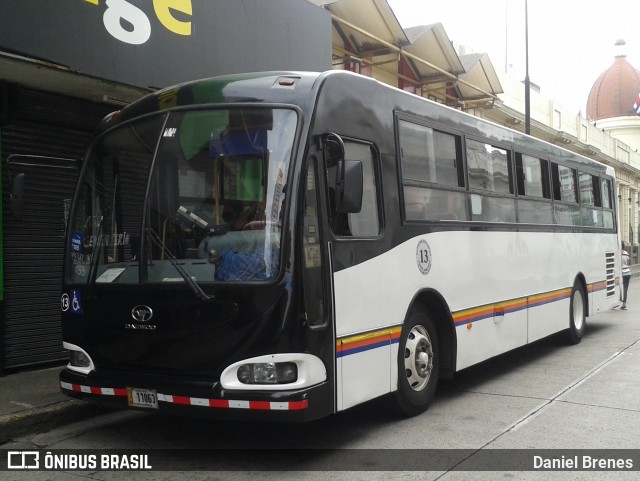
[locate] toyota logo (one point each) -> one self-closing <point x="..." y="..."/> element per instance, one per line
<point x="142" y="313"/>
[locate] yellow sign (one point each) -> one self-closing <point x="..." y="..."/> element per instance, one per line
<point x="138" y="25"/>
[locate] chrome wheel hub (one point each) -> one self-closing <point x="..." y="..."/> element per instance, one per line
<point x="418" y="358"/>
<point x="578" y="310"/>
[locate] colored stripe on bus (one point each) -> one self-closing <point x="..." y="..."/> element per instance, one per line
<point x="192" y="401"/>
<point x="385" y="337"/>
<point x="597" y="286"/>
<point x="365" y="342"/>
<point x="549" y="297"/>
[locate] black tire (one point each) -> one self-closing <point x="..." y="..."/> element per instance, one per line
<point x="418" y="363"/>
<point x="577" y="315"/>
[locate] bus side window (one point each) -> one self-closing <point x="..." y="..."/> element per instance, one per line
<point x="607" y="203"/>
<point x="590" y="200"/>
<point x="564" y="183"/>
<point x="532" y="180"/>
<point x="565" y="191"/>
<point x="605" y="189"/>
<point x="532" y="176"/>
<point x="432" y="173"/>
<point x="365" y="223"/>
<point x="490" y="175"/>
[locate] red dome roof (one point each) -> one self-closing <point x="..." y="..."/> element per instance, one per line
<point x="615" y="91"/>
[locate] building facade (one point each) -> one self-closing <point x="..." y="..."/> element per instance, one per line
<point x="62" y="68"/>
<point x="368" y="39"/>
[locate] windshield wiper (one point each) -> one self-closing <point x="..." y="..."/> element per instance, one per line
<point x="197" y="290"/>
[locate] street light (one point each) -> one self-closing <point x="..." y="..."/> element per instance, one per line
<point x="527" y="83"/>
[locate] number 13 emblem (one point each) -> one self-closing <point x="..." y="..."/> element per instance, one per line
<point x="423" y="257"/>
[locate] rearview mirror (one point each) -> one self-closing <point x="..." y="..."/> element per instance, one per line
<point x="16" y="197"/>
<point x="349" y="183"/>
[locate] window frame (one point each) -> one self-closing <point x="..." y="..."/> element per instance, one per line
<point x="595" y="190"/>
<point x="558" y="211"/>
<point x="545" y="173"/>
<point x="429" y="185"/>
<point x="460" y="159"/>
<point x="510" y="167"/>
<point x="576" y="190"/>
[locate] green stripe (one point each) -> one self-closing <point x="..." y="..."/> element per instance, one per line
<point x="1" y="229"/>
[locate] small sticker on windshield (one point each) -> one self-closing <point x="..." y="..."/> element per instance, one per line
<point x="170" y="132"/>
<point x="110" y="275"/>
<point x="76" y="241"/>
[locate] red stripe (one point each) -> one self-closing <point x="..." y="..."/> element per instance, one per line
<point x="260" y="405"/>
<point x="96" y="390"/>
<point x="120" y="391"/>
<point x="181" y="400"/>
<point x="219" y="403"/>
<point x="76" y="387"/>
<point x="298" y="405"/>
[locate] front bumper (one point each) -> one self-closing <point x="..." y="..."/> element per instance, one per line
<point x="198" y="398"/>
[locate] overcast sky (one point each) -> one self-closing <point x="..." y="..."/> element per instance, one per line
<point x="570" y="41"/>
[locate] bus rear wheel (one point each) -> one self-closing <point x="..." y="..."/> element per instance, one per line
<point x="577" y="316"/>
<point x="418" y="363"/>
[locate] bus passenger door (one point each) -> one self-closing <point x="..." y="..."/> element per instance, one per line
<point x="364" y="351"/>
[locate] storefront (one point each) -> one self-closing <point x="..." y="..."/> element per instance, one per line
<point x="62" y="69"/>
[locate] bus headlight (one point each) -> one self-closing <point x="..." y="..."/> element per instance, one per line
<point x="268" y="373"/>
<point x="79" y="359"/>
<point x="274" y="372"/>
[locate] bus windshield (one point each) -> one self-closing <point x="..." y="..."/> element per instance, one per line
<point x="195" y="196"/>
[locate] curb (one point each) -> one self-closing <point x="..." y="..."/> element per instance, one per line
<point x="39" y="420"/>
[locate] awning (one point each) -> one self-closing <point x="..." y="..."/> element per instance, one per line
<point x="479" y="72"/>
<point x="373" y="16"/>
<point x="431" y="43"/>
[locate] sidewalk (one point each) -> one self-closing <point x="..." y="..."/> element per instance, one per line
<point x="31" y="401"/>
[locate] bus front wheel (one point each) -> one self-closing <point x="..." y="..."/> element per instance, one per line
<point x="577" y="316"/>
<point x="418" y="363"/>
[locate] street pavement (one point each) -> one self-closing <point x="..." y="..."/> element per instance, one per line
<point x="31" y="401"/>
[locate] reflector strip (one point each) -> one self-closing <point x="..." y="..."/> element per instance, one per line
<point x="101" y="391"/>
<point x="194" y="401"/>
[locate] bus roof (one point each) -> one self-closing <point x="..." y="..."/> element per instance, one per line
<point x="272" y="87"/>
<point x="297" y="88"/>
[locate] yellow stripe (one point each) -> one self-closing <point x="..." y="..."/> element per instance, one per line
<point x="361" y="337"/>
<point x="552" y="294"/>
<point x="510" y="303"/>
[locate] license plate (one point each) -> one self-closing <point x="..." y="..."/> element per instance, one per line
<point x="142" y="398"/>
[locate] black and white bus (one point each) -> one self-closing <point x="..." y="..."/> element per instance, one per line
<point x="288" y="245"/>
